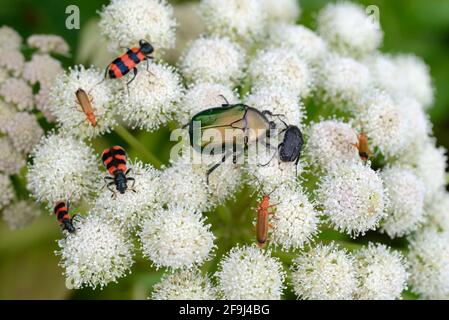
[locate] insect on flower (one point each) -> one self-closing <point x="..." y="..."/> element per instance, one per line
<point x="363" y="147"/>
<point x="262" y="224"/>
<point x="84" y="100"/>
<point x="114" y="159"/>
<point x="290" y="147"/>
<point x="129" y="60"/>
<point x="61" y="211"/>
<point x="252" y="124"/>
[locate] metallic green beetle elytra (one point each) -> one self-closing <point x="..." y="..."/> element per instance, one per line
<point x="222" y="128"/>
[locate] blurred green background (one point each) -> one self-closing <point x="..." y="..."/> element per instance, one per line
<point x="28" y="266"/>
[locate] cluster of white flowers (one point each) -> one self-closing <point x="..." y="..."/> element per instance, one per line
<point x="23" y="105"/>
<point x="369" y="162"/>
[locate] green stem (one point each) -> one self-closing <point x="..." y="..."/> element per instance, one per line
<point x="136" y="144"/>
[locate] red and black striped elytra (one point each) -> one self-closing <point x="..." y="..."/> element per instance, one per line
<point x="114" y="159"/>
<point x="129" y="60"/>
<point x="62" y="214"/>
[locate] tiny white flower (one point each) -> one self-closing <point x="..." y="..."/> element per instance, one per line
<point x="343" y="81"/>
<point x="303" y="41"/>
<point x="248" y="273"/>
<point x="7" y="112"/>
<point x="284" y="68"/>
<point x="126" y="22"/>
<point x="384" y="123"/>
<point x="437" y="211"/>
<point x="64" y="105"/>
<point x="9" y="38"/>
<point x="48" y="43"/>
<point x="181" y="185"/>
<point x="20" y="214"/>
<point x="330" y="142"/>
<point x="213" y="59"/>
<point x="348" y="29"/>
<point x="429" y="264"/>
<point x="277" y="11"/>
<point x="96" y="254"/>
<point x="201" y="96"/>
<point x="405" y="201"/>
<point x="381" y="273"/>
<point x="7" y="188"/>
<point x="352" y="197"/>
<point x="176" y="238"/>
<point x="62" y="167"/>
<point x="17" y="92"/>
<point x="24" y="131"/>
<point x="153" y="96"/>
<point x="294" y="220"/>
<point x="325" y="272"/>
<point x="11" y="161"/>
<point x="127" y="210"/>
<point x="278" y="100"/>
<point x="42" y="68"/>
<point x="184" y="285"/>
<point x="240" y="20"/>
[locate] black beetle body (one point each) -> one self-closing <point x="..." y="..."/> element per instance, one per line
<point x="291" y="145"/>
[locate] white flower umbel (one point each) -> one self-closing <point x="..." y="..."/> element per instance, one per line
<point x="20" y="214"/>
<point x="352" y="197"/>
<point x="429" y="264"/>
<point x="239" y="20"/>
<point x="42" y="103"/>
<point x="153" y="96"/>
<point x="176" y="238"/>
<point x="24" y="131"/>
<point x="437" y="211"/>
<point x="303" y="41"/>
<point x="348" y="29"/>
<point x="96" y="254"/>
<point x="429" y="163"/>
<point x="278" y="100"/>
<point x="42" y="68"/>
<point x="294" y="221"/>
<point x="325" y="272"/>
<point x="64" y="105"/>
<point x="284" y="68"/>
<point x="11" y="161"/>
<point x="384" y="124"/>
<point x="213" y="59"/>
<point x="184" y="285"/>
<point x="201" y="96"/>
<point x="17" y="92"/>
<point x="48" y="43"/>
<point x="418" y="123"/>
<point x="278" y="11"/>
<point x="181" y="185"/>
<point x="248" y="273"/>
<point x="9" y="38"/>
<point x="62" y="167"/>
<point x="126" y="22"/>
<point x="405" y="201"/>
<point x="416" y="79"/>
<point x="12" y="60"/>
<point x="402" y="75"/>
<point x="7" y="193"/>
<point x="6" y="114"/>
<point x="127" y="210"/>
<point x="330" y="142"/>
<point x="381" y="273"/>
<point x="343" y="81"/>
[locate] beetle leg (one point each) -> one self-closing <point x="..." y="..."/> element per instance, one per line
<point x="265" y="164"/>
<point x="147" y="58"/>
<point x="296" y="165"/>
<point x="226" y="100"/>
<point x="215" y="166"/>
<point x="134" y="77"/>
<point x="133" y="181"/>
